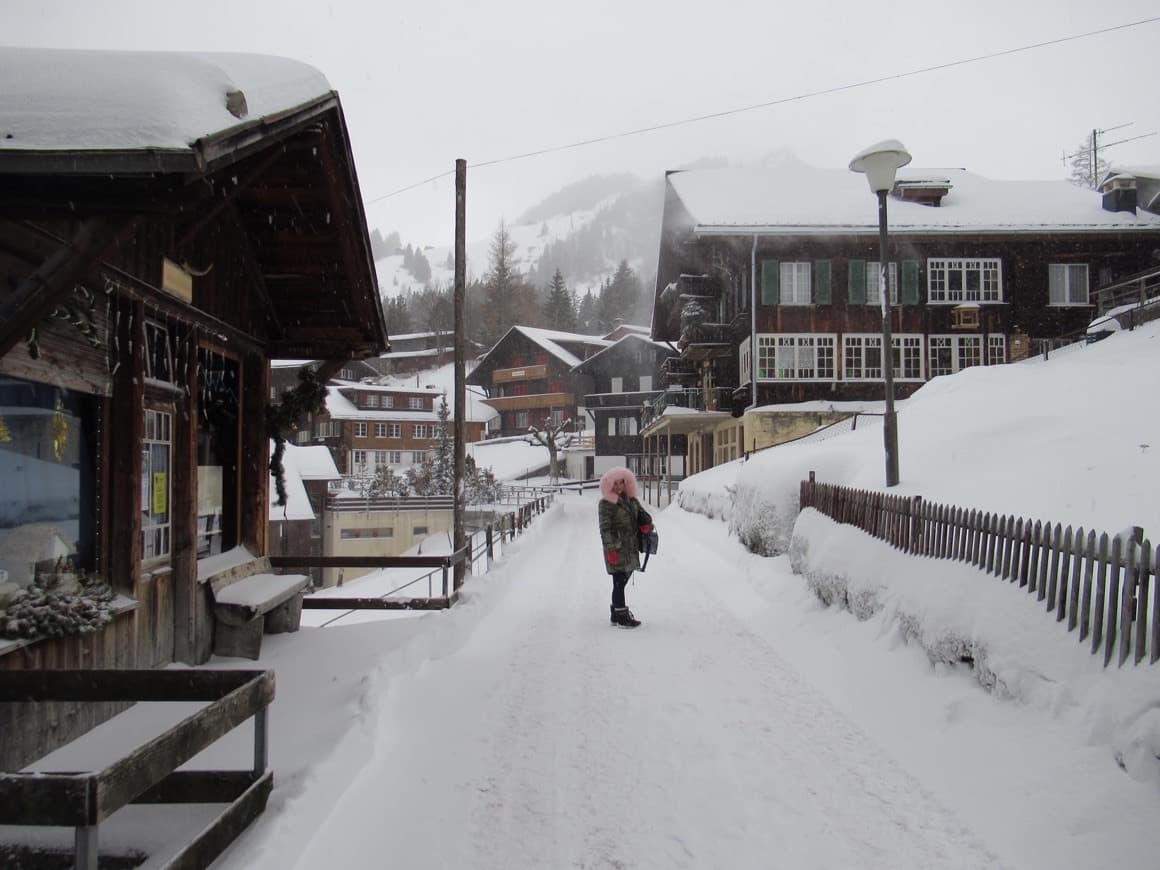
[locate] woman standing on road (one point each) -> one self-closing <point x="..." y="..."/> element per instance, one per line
<point x="620" y="527"/>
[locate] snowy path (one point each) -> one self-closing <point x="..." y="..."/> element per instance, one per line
<point x="549" y="739"/>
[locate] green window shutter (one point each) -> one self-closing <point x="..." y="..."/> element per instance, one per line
<point x="770" y="295"/>
<point x="910" y="282"/>
<point x="822" y="291"/>
<point x="856" y="292"/>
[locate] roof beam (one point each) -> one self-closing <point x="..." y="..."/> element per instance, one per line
<point x="50" y="282"/>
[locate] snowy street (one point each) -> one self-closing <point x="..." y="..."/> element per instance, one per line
<point x="540" y="736"/>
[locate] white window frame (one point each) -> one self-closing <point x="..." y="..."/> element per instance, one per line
<point x="949" y="280"/>
<point x="360" y="430"/>
<point x="394" y="430"/>
<point x="646" y="383"/>
<point x="372" y="400"/>
<point x="388" y="401"/>
<point x="395" y="457"/>
<point x="617" y="385"/>
<point x="422" y="430"/>
<point x="380" y="430"/>
<point x="996" y="349"/>
<point x="797" y="357"/>
<point x="1066" y="281"/>
<point x="415" y="403"/>
<point x="794" y="285"/>
<point x="965" y="351"/>
<point x="156" y="451"/>
<point x="522" y="419"/>
<point x="908" y="357"/>
<point x="873" y="297"/>
<point x="380" y="457"/>
<point x="358" y="462"/>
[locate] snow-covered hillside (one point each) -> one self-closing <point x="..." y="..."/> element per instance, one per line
<point x="621" y="226"/>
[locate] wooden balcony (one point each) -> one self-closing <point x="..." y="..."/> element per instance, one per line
<point x="527" y="373"/>
<point x="537" y="400"/>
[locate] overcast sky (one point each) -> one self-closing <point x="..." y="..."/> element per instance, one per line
<point x="426" y="82"/>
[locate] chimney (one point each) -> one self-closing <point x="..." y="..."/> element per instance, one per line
<point x="924" y="191"/>
<point x="1119" y="193"/>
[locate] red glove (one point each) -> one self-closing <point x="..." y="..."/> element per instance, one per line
<point x="645" y="529"/>
<point x="613" y="557"/>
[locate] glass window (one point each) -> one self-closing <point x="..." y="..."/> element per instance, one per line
<point x="953" y="353"/>
<point x="795" y="283"/>
<point x="862" y="357"/>
<point x="156" y="451"/>
<point x="380" y="430"/>
<point x="964" y="280"/>
<point x="47" y="465"/>
<point x="618" y="385"/>
<point x="795" y="357"/>
<point x="360" y="430"/>
<point x="217" y="454"/>
<point x="873" y="279"/>
<point x="1067" y="283"/>
<point x="645" y="383"/>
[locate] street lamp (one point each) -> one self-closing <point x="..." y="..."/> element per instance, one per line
<point x="880" y="162"/>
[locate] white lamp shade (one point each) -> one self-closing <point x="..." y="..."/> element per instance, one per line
<point x="880" y="162"/>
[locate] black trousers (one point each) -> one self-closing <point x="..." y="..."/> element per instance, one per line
<point x="619" y="581"/>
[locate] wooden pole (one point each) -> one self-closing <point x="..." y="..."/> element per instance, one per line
<point x="460" y="343"/>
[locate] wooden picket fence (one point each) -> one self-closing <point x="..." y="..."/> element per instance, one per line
<point x="1100" y="584"/>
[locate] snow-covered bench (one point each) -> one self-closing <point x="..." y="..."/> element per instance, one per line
<point x="249" y="600"/>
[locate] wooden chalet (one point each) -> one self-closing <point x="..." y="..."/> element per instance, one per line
<point x="169" y="223"/>
<point x="529" y="377"/>
<point x="781" y="262"/>
<point x="626" y="379"/>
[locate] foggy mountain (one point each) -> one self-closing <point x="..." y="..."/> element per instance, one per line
<point x="584" y="229"/>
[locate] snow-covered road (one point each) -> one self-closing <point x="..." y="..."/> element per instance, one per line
<point x="547" y="738"/>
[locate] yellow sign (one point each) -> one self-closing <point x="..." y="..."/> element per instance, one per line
<point x="160" y="492"/>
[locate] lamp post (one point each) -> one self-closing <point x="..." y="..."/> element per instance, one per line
<point x="880" y="162"/>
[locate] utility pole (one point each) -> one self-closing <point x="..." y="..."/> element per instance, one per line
<point x="460" y="355"/>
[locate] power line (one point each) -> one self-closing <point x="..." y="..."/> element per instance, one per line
<point x="779" y="102"/>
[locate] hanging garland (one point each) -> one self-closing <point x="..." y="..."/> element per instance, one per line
<point x="303" y="401"/>
<point x="80" y="314"/>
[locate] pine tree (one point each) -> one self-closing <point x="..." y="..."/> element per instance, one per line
<point x="619" y="298"/>
<point x="586" y="320"/>
<point x="559" y="312"/>
<point x="398" y="316"/>
<point x="443" y="461"/>
<point x="500" y="286"/>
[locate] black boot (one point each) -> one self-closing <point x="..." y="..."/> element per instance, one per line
<point x="612" y="614"/>
<point x="623" y="617"/>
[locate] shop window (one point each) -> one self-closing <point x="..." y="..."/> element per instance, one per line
<point x="156" y="485"/>
<point x="217" y="453"/>
<point x="49" y="474"/>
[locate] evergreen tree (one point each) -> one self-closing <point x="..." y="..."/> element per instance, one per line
<point x="385" y="483"/>
<point x="443" y="464"/>
<point x="398" y="316"/>
<point x="420" y="477"/>
<point x="559" y="312"/>
<point x="619" y="298"/>
<point x="586" y="320"/>
<point x="500" y="286"/>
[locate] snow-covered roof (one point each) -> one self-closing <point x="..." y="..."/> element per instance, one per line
<point x="297" y="505"/>
<point x="633" y="337"/>
<point x="793" y="198"/>
<point x="552" y="341"/>
<point x="70" y="100"/>
<point x="370" y="387"/>
<point x="313" y="462"/>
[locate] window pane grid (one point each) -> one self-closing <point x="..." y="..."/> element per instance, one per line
<point x="964" y="280"/>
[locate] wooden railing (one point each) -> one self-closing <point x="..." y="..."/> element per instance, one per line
<point x="149" y="774"/>
<point x="1099" y="584"/>
<point x="479" y="550"/>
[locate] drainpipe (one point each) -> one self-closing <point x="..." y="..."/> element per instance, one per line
<point x="753" y="326"/>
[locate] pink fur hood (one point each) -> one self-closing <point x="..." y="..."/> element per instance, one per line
<point x="611" y="476"/>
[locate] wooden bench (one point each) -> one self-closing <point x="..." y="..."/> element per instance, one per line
<point x="250" y="600"/>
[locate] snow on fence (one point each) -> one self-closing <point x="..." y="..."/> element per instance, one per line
<point x="1100" y="584"/>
